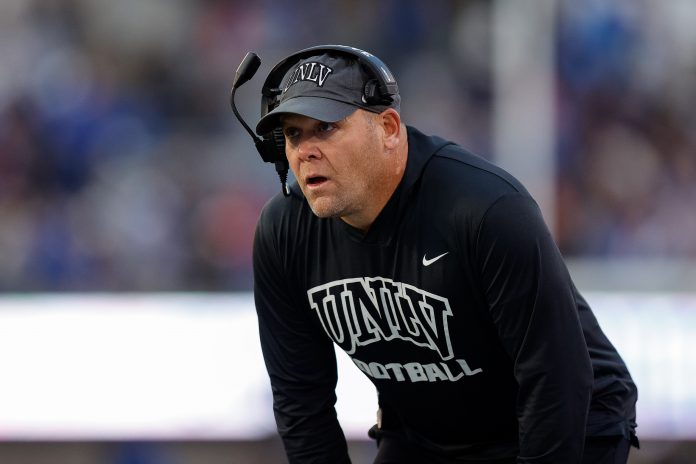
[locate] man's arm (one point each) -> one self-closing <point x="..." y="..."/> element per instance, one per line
<point x="300" y="361"/>
<point x="531" y="301"/>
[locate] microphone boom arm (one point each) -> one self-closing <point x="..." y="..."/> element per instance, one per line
<point x="246" y="70"/>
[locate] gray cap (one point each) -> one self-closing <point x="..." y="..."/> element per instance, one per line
<point x="325" y="87"/>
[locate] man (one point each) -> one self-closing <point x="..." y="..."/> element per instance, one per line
<point x="434" y="271"/>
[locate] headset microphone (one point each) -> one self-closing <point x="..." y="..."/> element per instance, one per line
<point x="268" y="147"/>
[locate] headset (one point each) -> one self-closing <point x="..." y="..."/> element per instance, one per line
<point x="380" y="89"/>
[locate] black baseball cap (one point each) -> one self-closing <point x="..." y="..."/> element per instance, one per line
<point x="327" y="87"/>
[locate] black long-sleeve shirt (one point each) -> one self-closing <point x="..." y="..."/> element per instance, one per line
<point x="456" y="305"/>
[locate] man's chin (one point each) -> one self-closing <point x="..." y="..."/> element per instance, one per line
<point x="324" y="208"/>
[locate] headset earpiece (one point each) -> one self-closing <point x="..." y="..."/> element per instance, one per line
<point x="371" y="94"/>
<point x="272" y="146"/>
<point x="272" y="150"/>
<point x="281" y="163"/>
<point x="279" y="140"/>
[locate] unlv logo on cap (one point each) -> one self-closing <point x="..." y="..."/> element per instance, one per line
<point x="310" y="71"/>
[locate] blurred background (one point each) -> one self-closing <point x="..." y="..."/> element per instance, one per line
<point x="129" y="196"/>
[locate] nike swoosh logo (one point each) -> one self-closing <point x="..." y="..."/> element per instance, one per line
<point x="428" y="262"/>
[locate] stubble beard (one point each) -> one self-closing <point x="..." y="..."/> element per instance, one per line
<point x="346" y="199"/>
<point x="329" y="206"/>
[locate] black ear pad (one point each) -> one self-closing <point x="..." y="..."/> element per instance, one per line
<point x="272" y="149"/>
<point x="279" y="141"/>
<point x="272" y="146"/>
<point x="372" y="94"/>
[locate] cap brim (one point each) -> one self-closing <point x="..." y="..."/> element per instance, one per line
<point x="322" y="109"/>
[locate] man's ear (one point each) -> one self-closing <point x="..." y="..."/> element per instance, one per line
<point x="391" y="124"/>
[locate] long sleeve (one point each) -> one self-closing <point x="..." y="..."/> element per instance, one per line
<point x="531" y="300"/>
<point x="300" y="361"/>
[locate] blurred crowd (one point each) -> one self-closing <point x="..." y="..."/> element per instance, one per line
<point x="627" y="129"/>
<point x="122" y="167"/>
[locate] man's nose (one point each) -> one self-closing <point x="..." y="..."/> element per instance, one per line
<point x="307" y="149"/>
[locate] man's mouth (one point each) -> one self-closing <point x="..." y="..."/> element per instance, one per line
<point x="314" y="181"/>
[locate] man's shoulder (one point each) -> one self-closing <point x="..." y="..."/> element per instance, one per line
<point x="474" y="172"/>
<point x="456" y="170"/>
<point x="467" y="182"/>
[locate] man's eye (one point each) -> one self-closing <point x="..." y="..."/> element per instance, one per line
<point x="325" y="127"/>
<point x="291" y="133"/>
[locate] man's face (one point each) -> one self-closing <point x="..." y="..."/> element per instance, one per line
<point x="339" y="166"/>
